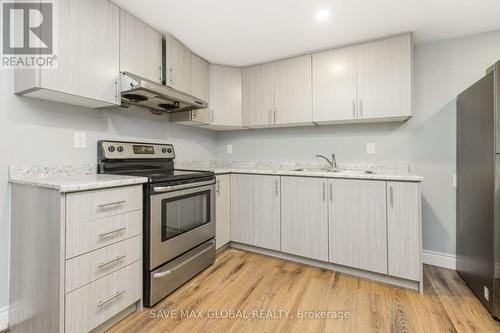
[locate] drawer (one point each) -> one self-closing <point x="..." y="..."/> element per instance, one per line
<point x="93" y="304"/>
<point x="93" y="205"/>
<point x="91" y="266"/>
<point x="87" y="236"/>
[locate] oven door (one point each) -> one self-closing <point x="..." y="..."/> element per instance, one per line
<point x="182" y="217"/>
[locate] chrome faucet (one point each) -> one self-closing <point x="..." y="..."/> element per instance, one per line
<point x="332" y="163"/>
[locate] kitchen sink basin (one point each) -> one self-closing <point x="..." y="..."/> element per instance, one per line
<point x="334" y="170"/>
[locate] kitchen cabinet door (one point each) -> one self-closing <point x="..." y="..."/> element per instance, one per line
<point x="404" y="230"/>
<point x="225" y="97"/>
<point x="140" y="48"/>
<point x="200" y="87"/>
<point x="222" y="210"/>
<point x="178" y="65"/>
<point x="88" y="58"/>
<point x="384" y="78"/>
<point x="255" y="210"/>
<point x="334" y="85"/>
<point x="304" y="217"/>
<point x="293" y="91"/>
<point x="258" y="96"/>
<point x="357" y="224"/>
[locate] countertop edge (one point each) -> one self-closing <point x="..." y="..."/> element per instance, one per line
<point x="405" y="178"/>
<point x="68" y="188"/>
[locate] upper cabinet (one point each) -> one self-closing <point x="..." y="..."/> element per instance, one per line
<point x="140" y="48"/>
<point x="293" y="91"/>
<point x="335" y="85"/>
<point x="385" y="78"/>
<point x="200" y="87"/>
<point x="371" y="81"/>
<point x="88" y="58"/>
<point x="225" y="98"/>
<point x="278" y="93"/>
<point x="258" y="96"/>
<point x="179" y="65"/>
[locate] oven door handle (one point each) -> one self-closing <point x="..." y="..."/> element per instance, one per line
<point x="165" y="273"/>
<point x="163" y="189"/>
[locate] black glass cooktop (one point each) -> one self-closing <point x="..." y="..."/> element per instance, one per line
<point x="157" y="176"/>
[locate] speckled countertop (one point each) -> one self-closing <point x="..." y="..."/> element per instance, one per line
<point x="69" y="178"/>
<point x="397" y="171"/>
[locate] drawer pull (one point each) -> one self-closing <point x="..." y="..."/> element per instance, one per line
<point x="103" y="234"/>
<point x="117" y="294"/>
<point x="115" y="203"/>
<point x="161" y="275"/>
<point x="103" y="264"/>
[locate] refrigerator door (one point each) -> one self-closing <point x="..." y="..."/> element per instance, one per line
<point x="475" y="187"/>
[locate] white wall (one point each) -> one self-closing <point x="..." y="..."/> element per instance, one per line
<point x="427" y="141"/>
<point x="41" y="132"/>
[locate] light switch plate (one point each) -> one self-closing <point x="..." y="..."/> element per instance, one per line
<point x="370" y="148"/>
<point x="229" y="149"/>
<point x="80" y="140"/>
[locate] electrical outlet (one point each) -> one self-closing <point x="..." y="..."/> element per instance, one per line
<point x="486" y="293"/>
<point x="454" y="181"/>
<point x="80" y="140"/>
<point x="229" y="149"/>
<point x="370" y="148"/>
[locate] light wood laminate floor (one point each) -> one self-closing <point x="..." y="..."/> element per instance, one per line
<point x="243" y="282"/>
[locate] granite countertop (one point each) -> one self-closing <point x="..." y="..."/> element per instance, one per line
<point x="69" y="178"/>
<point x="352" y="170"/>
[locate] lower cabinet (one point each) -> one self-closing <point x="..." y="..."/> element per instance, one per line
<point x="255" y="210"/>
<point x="404" y="230"/>
<point x="222" y="210"/>
<point x="304" y="217"/>
<point x="357" y="224"/>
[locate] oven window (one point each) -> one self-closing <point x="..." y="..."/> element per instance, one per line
<point x="184" y="213"/>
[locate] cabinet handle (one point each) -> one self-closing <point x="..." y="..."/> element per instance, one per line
<point x="391" y="196"/>
<point x="324" y="191"/>
<point x="171" y="75"/>
<point x="353" y="108"/>
<point x="217" y="188"/>
<point x="103" y="264"/>
<point x="360" y="109"/>
<point x="276" y="190"/>
<point x="114" y="231"/>
<point x="275" y="116"/>
<point x="114" y="203"/>
<point x="331" y="192"/>
<point x="270" y="117"/>
<point x="160" y="74"/>
<point x="116" y="295"/>
<point x="211" y="116"/>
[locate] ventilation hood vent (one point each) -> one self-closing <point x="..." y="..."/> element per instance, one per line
<point x="136" y="90"/>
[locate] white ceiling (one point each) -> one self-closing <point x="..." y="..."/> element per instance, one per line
<point x="244" y="32"/>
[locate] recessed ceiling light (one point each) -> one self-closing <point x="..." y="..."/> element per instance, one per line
<point x="322" y="15"/>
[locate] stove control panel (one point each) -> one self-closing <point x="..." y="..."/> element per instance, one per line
<point x="135" y="150"/>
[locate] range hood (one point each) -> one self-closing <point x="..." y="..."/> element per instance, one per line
<point x="136" y="90"/>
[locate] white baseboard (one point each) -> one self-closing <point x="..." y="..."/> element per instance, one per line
<point x="439" y="259"/>
<point x="4" y="318"/>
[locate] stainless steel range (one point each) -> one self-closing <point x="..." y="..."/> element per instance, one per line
<point x="179" y="213"/>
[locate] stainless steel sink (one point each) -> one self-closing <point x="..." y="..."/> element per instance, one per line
<point x="334" y="170"/>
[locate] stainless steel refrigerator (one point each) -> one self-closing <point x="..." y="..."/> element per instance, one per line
<point x="478" y="188"/>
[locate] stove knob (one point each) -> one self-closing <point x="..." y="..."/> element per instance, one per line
<point x="169" y="150"/>
<point x="111" y="149"/>
<point x="164" y="150"/>
<point x="120" y="149"/>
